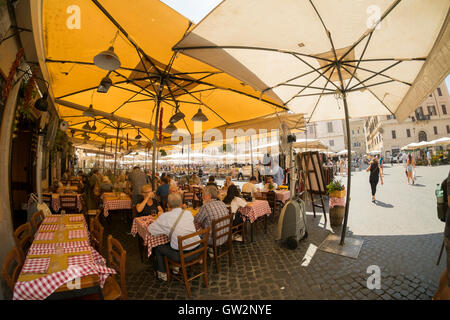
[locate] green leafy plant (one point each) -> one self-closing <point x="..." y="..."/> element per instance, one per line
<point x="163" y="152"/>
<point x="271" y="187"/>
<point x="335" y="185"/>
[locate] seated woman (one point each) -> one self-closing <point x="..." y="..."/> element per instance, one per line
<point x="227" y="183"/>
<point x="211" y="182"/>
<point x="270" y="185"/>
<point x="106" y="185"/>
<point x="149" y="205"/>
<point x="235" y="201"/>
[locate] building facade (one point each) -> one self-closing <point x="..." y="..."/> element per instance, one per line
<point x="430" y="121"/>
<point x="330" y="133"/>
<point x="358" y="136"/>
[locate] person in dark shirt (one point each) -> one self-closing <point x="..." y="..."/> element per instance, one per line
<point x="211" y="181"/>
<point x="163" y="192"/>
<point x="375" y="175"/>
<point x="149" y="205"/>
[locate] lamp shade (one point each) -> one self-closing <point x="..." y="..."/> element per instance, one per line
<point x="105" y="84"/>
<point x="199" y="116"/>
<point x="177" y="117"/>
<point x="86" y="126"/>
<point x="41" y="104"/>
<point x="107" y="60"/>
<point x="138" y="135"/>
<point x="171" y="128"/>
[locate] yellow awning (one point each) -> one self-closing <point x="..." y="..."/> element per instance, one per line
<point x="75" y="31"/>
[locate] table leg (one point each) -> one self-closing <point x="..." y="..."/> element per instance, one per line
<point x="251" y="231"/>
<point x="140" y="247"/>
<point x="265" y="223"/>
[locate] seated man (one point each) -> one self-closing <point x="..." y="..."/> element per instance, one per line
<point x="163" y="191"/>
<point x="227" y="183"/>
<point x="211" y="181"/>
<point x="171" y="224"/>
<point x="149" y="204"/>
<point x="211" y="209"/>
<point x="269" y="182"/>
<point x="250" y="186"/>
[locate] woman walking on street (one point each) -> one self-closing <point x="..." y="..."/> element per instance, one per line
<point x="410" y="164"/>
<point x="375" y="175"/>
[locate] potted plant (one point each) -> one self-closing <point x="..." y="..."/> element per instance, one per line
<point x="336" y="190"/>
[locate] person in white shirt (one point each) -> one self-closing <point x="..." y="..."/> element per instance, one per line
<point x="269" y="182"/>
<point x="164" y="224"/>
<point x="250" y="186"/>
<point x="235" y="202"/>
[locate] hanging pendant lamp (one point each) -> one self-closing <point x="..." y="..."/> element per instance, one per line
<point x="86" y="126"/>
<point x="199" y="116"/>
<point x="171" y="128"/>
<point x="107" y="60"/>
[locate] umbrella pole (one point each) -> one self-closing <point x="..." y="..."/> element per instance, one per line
<point x="349" y="168"/>
<point x="115" y="152"/>
<point x="158" y="103"/>
<point x="251" y="154"/>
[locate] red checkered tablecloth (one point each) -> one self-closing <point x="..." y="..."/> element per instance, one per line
<point x="76" y="234"/>
<point x="118" y="204"/>
<point x="283" y="195"/>
<point x="80" y="260"/>
<point x="44" y="236"/>
<point x="56" y="204"/>
<point x="256" y="209"/>
<point x="48" y="227"/>
<point x="50" y="220"/>
<point x="36" y="265"/>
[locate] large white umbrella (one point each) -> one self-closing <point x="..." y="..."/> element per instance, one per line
<point x="344" y="152"/>
<point x="439" y="142"/>
<point x="330" y="59"/>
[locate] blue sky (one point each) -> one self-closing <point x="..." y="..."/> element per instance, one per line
<point x="196" y="10"/>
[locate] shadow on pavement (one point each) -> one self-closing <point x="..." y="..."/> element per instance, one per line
<point x="418" y="185"/>
<point x="383" y="204"/>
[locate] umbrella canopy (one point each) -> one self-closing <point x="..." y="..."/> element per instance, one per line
<point x="330" y="59"/>
<point x="417" y="145"/>
<point x="146" y="71"/>
<point x="375" y="152"/>
<point x="309" y="144"/>
<point x="388" y="67"/>
<point x="344" y="152"/>
<point x="440" y="142"/>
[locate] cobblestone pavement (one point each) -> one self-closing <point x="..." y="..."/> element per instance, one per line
<point x="401" y="235"/>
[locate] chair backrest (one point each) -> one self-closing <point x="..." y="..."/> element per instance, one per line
<point x="202" y="248"/>
<point x="12" y="265"/>
<point x="75" y="182"/>
<point x="271" y="198"/>
<point x="117" y="258"/>
<point x="47" y="198"/>
<point x="68" y="201"/>
<point x="23" y="236"/>
<point x="96" y="230"/>
<point x="221" y="228"/>
<point x="36" y="219"/>
<point x="247" y="196"/>
<point x="188" y="196"/>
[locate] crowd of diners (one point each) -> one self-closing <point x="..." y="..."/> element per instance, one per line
<point x="162" y="198"/>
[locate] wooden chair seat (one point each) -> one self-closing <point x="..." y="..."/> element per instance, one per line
<point x="201" y="251"/>
<point x="36" y="220"/>
<point x="116" y="259"/>
<point x="111" y="290"/>
<point x="23" y="236"/>
<point x="12" y="265"/>
<point x="222" y="228"/>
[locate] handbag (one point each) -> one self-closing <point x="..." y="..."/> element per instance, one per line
<point x="41" y="206"/>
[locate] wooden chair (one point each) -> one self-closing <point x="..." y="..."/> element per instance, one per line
<point x="222" y="228"/>
<point x="96" y="230"/>
<point x="68" y="202"/>
<point x="198" y="199"/>
<point x="201" y="250"/>
<point x="36" y="220"/>
<point x="47" y="199"/>
<point x="188" y="197"/>
<point x="12" y="265"/>
<point x="116" y="259"/>
<point x="271" y="198"/>
<point x="23" y="236"/>
<point x="246" y="195"/>
<point x="238" y="229"/>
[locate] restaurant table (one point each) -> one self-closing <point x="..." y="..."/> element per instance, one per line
<point x="56" y="203"/>
<point x="112" y="201"/>
<point x="281" y="195"/>
<point x="49" y="274"/>
<point x="253" y="211"/>
<point x="140" y="227"/>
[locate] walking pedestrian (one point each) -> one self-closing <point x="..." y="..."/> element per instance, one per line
<point x="375" y="176"/>
<point x="410" y="165"/>
<point x="381" y="163"/>
<point x="429" y="158"/>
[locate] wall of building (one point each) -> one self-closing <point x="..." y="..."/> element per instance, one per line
<point x="358" y="138"/>
<point x="333" y="139"/>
